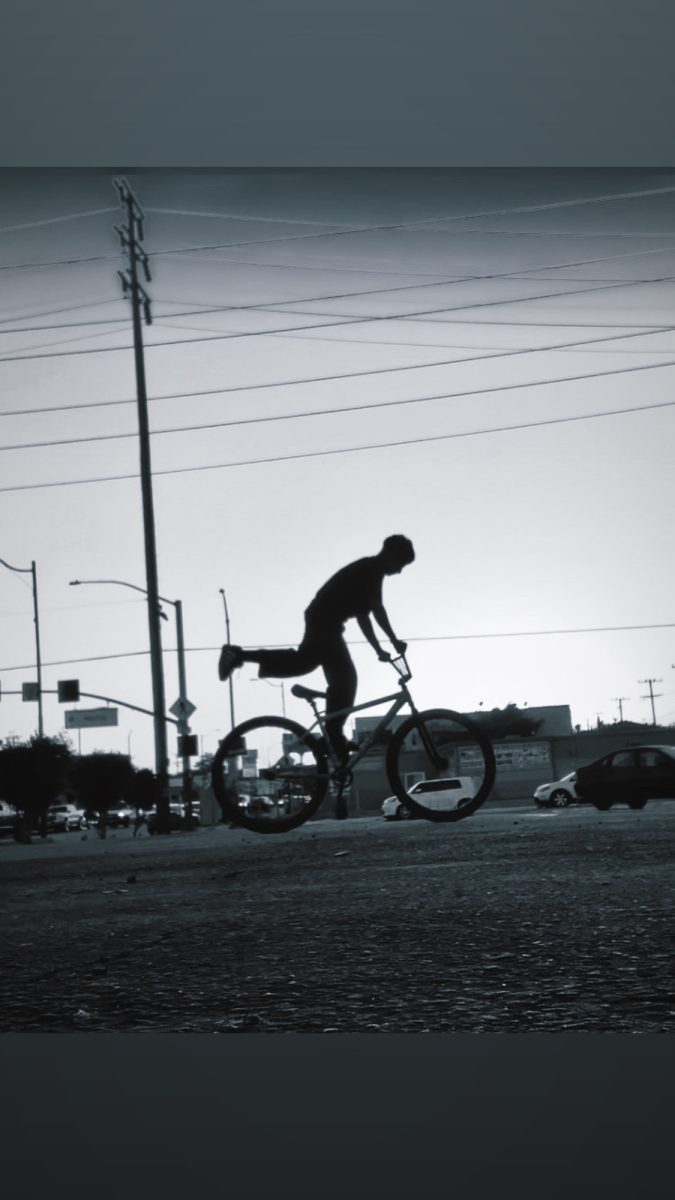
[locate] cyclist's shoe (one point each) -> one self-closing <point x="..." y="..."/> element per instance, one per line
<point x="230" y="658"/>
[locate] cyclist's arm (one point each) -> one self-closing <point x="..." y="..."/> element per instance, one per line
<point x="380" y="615"/>
<point x="366" y="627"/>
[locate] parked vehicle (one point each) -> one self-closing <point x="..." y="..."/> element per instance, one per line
<point x="63" y="818"/>
<point x="560" y="793"/>
<point x="177" y="817"/>
<point x="9" y="818"/>
<point x="631" y="776"/>
<point x="120" y="815"/>
<point x="438" y="793"/>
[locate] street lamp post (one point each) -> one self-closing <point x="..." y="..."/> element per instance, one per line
<point x="227" y="631"/>
<point x="32" y="571"/>
<point x="180" y="648"/>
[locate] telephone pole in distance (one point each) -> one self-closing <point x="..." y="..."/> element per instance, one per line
<point x="652" y="695"/>
<point x="131" y="235"/>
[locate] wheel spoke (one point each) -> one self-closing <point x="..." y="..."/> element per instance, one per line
<point x="269" y="775"/>
<point x="449" y="757"/>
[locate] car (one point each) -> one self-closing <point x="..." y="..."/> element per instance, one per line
<point x="433" y="794"/>
<point x="9" y="818"/>
<point x="560" y="793"/>
<point x="176" y="817"/>
<point x="631" y="776"/>
<point x="120" y="814"/>
<point x="63" y="818"/>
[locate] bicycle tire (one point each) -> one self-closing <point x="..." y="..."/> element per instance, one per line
<point x="466" y="754"/>
<point x="278" y="796"/>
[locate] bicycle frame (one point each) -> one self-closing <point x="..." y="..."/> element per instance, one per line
<point x="399" y="700"/>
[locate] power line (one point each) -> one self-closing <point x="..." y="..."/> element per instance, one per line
<point x="332" y="411"/>
<point x="553" y="233"/>
<point x="93" y="212"/>
<point x="210" y="309"/>
<point x="577" y="202"/>
<point x="444" y="637"/>
<point x="360" y="229"/>
<point x="18" y="412"/>
<point x="51" y="312"/>
<point x="182" y="212"/>
<point x="410" y="287"/>
<point x="346" y="321"/>
<point x="640" y="331"/>
<point x="386" y="445"/>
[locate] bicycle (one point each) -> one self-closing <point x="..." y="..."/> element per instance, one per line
<point x="263" y="783"/>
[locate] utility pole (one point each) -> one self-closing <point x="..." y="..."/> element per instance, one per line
<point x="651" y="696"/>
<point x="184" y="726"/>
<point x="32" y="571"/>
<point x="131" y="235"/>
<point x="227" y="633"/>
<point x="619" y="700"/>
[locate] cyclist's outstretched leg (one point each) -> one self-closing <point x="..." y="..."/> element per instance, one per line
<point x="447" y="761"/>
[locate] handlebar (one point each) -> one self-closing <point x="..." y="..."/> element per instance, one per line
<point x="400" y="665"/>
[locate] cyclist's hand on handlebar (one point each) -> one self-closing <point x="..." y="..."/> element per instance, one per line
<point x="399" y="646"/>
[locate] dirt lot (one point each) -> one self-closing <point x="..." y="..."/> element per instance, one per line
<point x="512" y="920"/>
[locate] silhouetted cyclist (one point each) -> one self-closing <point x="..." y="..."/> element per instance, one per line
<point x="355" y="591"/>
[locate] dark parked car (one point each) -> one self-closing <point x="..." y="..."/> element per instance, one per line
<point x="631" y="776"/>
<point x="120" y="814"/>
<point x="177" y="817"/>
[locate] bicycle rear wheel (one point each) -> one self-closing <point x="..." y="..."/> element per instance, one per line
<point x="269" y="775"/>
<point x="440" y="764"/>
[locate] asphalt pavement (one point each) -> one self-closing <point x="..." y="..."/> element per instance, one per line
<point x="515" y="919"/>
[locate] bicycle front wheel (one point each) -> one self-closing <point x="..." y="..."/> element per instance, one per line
<point x="269" y="775"/>
<point x="440" y="765"/>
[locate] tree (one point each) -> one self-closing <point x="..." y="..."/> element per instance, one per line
<point x="32" y="774"/>
<point x="143" y="791"/>
<point x="102" y="779"/>
<point x="508" y="721"/>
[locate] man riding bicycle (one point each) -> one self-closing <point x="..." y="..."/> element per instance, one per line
<point x="354" y="591"/>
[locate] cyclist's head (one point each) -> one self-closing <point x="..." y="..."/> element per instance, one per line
<point x="397" y="551"/>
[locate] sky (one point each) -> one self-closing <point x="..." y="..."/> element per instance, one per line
<point x="481" y="360"/>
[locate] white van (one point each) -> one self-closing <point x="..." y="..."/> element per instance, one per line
<point x="432" y="794"/>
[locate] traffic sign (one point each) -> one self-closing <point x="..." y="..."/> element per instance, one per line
<point x="68" y="690"/>
<point x="84" y="718"/>
<point x="183" y="708"/>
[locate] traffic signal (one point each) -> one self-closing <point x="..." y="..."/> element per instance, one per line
<point x="68" y="690"/>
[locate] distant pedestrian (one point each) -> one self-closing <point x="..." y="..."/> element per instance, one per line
<point x="138" y="820"/>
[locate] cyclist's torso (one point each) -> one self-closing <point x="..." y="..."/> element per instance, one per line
<point x="353" y="591"/>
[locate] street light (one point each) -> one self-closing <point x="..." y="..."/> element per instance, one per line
<point x="227" y="631"/>
<point x="31" y="570"/>
<point x="180" y="647"/>
<point x="204" y="736"/>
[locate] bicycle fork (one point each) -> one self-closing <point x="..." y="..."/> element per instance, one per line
<point x="439" y="761"/>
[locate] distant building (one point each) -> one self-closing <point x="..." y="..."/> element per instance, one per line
<point x="522" y="762"/>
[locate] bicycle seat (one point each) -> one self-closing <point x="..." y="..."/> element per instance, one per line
<point x="305" y="693"/>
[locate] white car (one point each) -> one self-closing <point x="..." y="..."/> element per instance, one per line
<point x="432" y="794"/>
<point x="62" y="818"/>
<point x="558" y="794"/>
